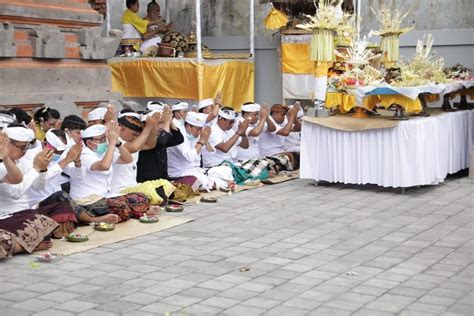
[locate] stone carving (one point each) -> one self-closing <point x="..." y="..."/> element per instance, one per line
<point x="7" y="34"/>
<point x="94" y="46"/>
<point x="47" y="42"/>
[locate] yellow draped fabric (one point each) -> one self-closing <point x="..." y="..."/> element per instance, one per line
<point x="149" y="188"/>
<point x="409" y="105"/>
<point x="346" y="102"/>
<point x="295" y="59"/>
<point x="275" y="19"/>
<point x="184" y="79"/>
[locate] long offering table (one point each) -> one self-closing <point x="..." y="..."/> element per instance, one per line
<point x="421" y="151"/>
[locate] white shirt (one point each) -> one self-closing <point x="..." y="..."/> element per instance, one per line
<point x="55" y="179"/>
<point x="180" y="125"/>
<point x="129" y="32"/>
<point x="253" y="151"/>
<point x="270" y="143"/>
<point x="12" y="196"/>
<point x="184" y="160"/>
<point x="212" y="159"/>
<point x="124" y="176"/>
<point x="92" y="182"/>
<point x="293" y="142"/>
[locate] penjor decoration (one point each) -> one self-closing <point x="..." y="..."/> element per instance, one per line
<point x="390" y="30"/>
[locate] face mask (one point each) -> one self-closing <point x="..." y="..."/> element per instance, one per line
<point x="191" y="137"/>
<point x="55" y="157"/>
<point x="101" y="149"/>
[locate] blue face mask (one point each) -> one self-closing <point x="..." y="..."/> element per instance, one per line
<point x="191" y="137"/>
<point x="55" y="157"/>
<point x="101" y="149"/>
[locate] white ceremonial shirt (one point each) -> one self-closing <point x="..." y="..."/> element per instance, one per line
<point x="183" y="159"/>
<point x="12" y="196"/>
<point x="124" y="176"/>
<point x="270" y="143"/>
<point x="55" y="179"/>
<point x="92" y="182"/>
<point x="212" y="159"/>
<point x="253" y="151"/>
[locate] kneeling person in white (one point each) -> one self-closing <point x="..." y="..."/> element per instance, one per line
<point x="185" y="159"/>
<point x="272" y="143"/>
<point x="99" y="153"/>
<point x="225" y="140"/>
<point x="259" y="121"/>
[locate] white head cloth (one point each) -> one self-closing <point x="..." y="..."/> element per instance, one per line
<point x="93" y="131"/>
<point x="20" y="134"/>
<point x="252" y="107"/>
<point x="196" y="119"/>
<point x="204" y="103"/>
<point x="54" y="140"/>
<point x="155" y="106"/>
<point x="133" y="114"/>
<point x="180" y="106"/>
<point x="6" y="119"/>
<point x="96" y="114"/>
<point x="228" y="114"/>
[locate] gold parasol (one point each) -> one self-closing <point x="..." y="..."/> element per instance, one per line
<point x="275" y="19"/>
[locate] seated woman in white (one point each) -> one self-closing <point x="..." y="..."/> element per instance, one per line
<point x="29" y="227"/>
<point x="62" y="160"/>
<point x="13" y="237"/>
<point x="185" y="159"/>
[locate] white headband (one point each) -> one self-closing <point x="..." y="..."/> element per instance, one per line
<point x="55" y="141"/>
<point x="155" y="106"/>
<point x="252" y="107"/>
<point x="6" y="119"/>
<point x="196" y="119"/>
<point x="134" y="114"/>
<point x="228" y="114"/>
<point x="94" y="130"/>
<point x="204" y="103"/>
<point x="20" y="134"/>
<point x="96" y="114"/>
<point x="180" y="106"/>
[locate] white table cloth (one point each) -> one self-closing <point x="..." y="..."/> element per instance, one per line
<point x="421" y="151"/>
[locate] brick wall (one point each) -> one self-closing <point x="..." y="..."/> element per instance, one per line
<point x="99" y="5"/>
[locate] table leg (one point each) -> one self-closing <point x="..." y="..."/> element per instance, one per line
<point x="423" y="105"/>
<point x="399" y="114"/>
<point x="447" y="104"/>
<point x="463" y="104"/>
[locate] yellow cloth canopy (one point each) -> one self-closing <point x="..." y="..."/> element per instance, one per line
<point x="184" y="79"/>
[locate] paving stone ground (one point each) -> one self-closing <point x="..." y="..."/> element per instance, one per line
<point x="309" y="250"/>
